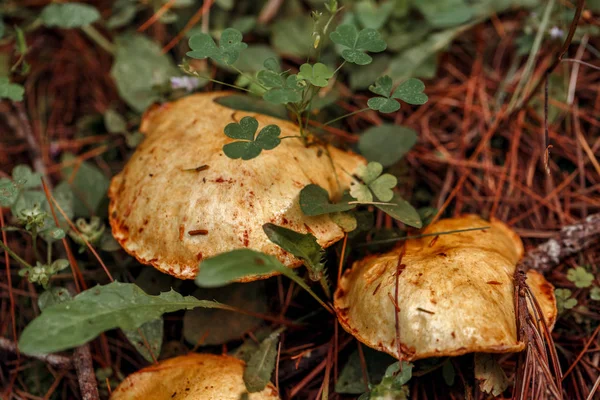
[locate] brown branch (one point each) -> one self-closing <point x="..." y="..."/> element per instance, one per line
<point x="55" y="360"/>
<point x="82" y="359"/>
<point x="570" y="240"/>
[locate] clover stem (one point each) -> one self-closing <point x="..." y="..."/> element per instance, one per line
<point x="338" y="68"/>
<point x="34" y="237"/>
<point x="345" y="116"/>
<point x="98" y="38"/>
<point x="250" y="78"/>
<point x="15" y="256"/>
<point x="291" y="137"/>
<point x="225" y="83"/>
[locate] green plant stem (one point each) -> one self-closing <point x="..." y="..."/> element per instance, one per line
<point x="223" y="83"/>
<point x="338" y="68"/>
<point x="15" y="256"/>
<point x="250" y="78"/>
<point x="34" y="237"/>
<point x="98" y="38"/>
<point x="345" y="116"/>
<point x="49" y="254"/>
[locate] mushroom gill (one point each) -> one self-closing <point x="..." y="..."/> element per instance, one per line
<point x="179" y="199"/>
<point x="455" y="293"/>
<point x="191" y="377"/>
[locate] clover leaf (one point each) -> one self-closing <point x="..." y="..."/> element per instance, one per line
<point x="11" y="91"/>
<point x="564" y="300"/>
<point x="250" y="147"/>
<point x="580" y="277"/>
<point x="595" y="293"/>
<point x="317" y="74"/>
<point x="357" y="43"/>
<point x="373" y="183"/>
<point x="410" y="91"/>
<point x="228" y="51"/>
<point x="314" y="200"/>
<point x="281" y="91"/>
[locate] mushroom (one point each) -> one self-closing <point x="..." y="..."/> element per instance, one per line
<point x="191" y="377"/>
<point x="455" y="293"/>
<point x="180" y="199"/>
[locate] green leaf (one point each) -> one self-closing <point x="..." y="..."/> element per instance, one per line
<point x="446" y="13"/>
<point x="314" y="200"/>
<point x="147" y="339"/>
<point x="564" y="300"/>
<point x="267" y="139"/>
<point x="344" y="220"/>
<point x="595" y="293"/>
<point x="93" y="311"/>
<point x="230" y="44"/>
<point x="54" y="233"/>
<point x="52" y="296"/>
<point x="292" y="36"/>
<point x="2" y="28"/>
<point x="138" y="68"/>
<point x="259" y="368"/>
<point x="9" y="192"/>
<point x="373" y="15"/>
<point x="11" y="91"/>
<point x="356" y="43"/>
<point x="402" y="211"/>
<point x="69" y="15"/>
<point x="121" y="16"/>
<point x="448" y="373"/>
<point x="580" y="277"/>
<point x="25" y="177"/>
<point x="290" y="92"/>
<point x="382" y="187"/>
<point x="351" y="379"/>
<point x="386" y="144"/>
<point x="252" y="104"/>
<point x="392" y="384"/>
<point x="215" y="326"/>
<point x="317" y="74"/>
<point x="374" y="184"/>
<point x="89" y="185"/>
<point x="303" y="246"/>
<point x="490" y="374"/>
<point x="272" y="64"/>
<point x="411" y="91"/>
<point x="251" y="59"/>
<point x="270" y="79"/>
<point x="361" y="77"/>
<point x="114" y="122"/>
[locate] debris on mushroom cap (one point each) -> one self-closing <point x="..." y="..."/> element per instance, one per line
<point x="162" y="198"/>
<point x="455" y="293"/>
<point x="191" y="377"/>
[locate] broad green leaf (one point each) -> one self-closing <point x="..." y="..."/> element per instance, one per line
<point x="386" y="144"/>
<point x="52" y="296"/>
<point x="252" y="104"/>
<point x="93" y="311"/>
<point x="25" y="177"/>
<point x="373" y="15"/>
<point x="215" y="326"/>
<point x="121" y="16"/>
<point x="490" y="375"/>
<point x="314" y="200"/>
<point x="252" y="59"/>
<point x="356" y="43"/>
<point x="236" y="264"/>
<point x="301" y="245"/>
<point x="261" y="364"/>
<point x="147" y="339"/>
<point x="228" y="51"/>
<point x="69" y="15"/>
<point x="11" y="91"/>
<point x="580" y="277"/>
<point x="402" y="211"/>
<point x="411" y="91"/>
<point x="9" y="192"/>
<point x="317" y="74"/>
<point x="292" y="36"/>
<point x="138" y="68"/>
<point x="445" y="13"/>
<point x="28" y="199"/>
<point x="89" y="185"/>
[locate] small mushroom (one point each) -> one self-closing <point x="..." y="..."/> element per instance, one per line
<point x="191" y="377"/>
<point x="455" y="293"/>
<point x="180" y="199"/>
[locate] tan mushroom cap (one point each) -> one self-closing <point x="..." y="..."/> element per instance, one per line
<point x="455" y="293"/>
<point x="155" y="202"/>
<point x="190" y="377"/>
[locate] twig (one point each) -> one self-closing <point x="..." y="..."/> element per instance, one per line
<point x="82" y="359"/>
<point x="55" y="360"/>
<point x="570" y="240"/>
<point x="269" y="11"/>
<point x="25" y="132"/>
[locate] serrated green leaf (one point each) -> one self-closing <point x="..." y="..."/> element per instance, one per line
<point x="138" y="68"/>
<point x="386" y="144"/>
<point x="303" y="246"/>
<point x="11" y="91"/>
<point x="411" y="91"/>
<point x="402" y="211"/>
<point x="317" y="74"/>
<point x="230" y="44"/>
<point x="69" y="15"/>
<point x="147" y="339"/>
<point x="93" y="311"/>
<point x="357" y="43"/>
<point x="259" y="368"/>
<point x="314" y="200"/>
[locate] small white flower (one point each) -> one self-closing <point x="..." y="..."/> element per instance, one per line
<point x="188" y="83"/>
<point x="556" y="32"/>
